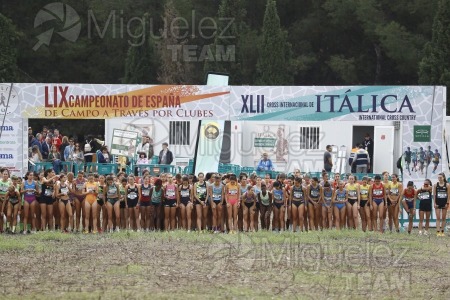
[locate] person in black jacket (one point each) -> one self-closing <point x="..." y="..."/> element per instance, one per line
<point x="165" y="156"/>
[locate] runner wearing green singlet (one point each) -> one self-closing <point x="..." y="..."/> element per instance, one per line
<point x="5" y="182"/>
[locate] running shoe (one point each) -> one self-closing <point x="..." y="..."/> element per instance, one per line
<point x="420" y="232"/>
<point x="94" y="231"/>
<point x="425" y="232"/>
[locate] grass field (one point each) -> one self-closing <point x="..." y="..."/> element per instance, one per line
<point x="330" y="264"/>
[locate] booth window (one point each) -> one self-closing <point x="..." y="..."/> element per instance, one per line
<point x="179" y="132"/>
<point x="309" y="138"/>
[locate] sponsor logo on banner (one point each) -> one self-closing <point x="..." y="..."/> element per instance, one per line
<point x="211" y="131"/>
<point x="422" y="133"/>
<point x="9" y="99"/>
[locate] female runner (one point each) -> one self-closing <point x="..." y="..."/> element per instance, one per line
<point x="144" y="203"/>
<point x="424" y="196"/>
<point x="29" y="189"/>
<point x="12" y="201"/>
<point x="243" y="184"/>
<point x="339" y="200"/>
<point x="185" y="190"/>
<point x="387" y="184"/>
<point x="122" y="182"/>
<point x="112" y="202"/>
<point x="62" y="194"/>
<point x="216" y="191"/>
<point x="394" y="194"/>
<point x="441" y="200"/>
<point x="90" y="203"/>
<point x="47" y="199"/>
<point x="364" y="205"/>
<point x="257" y="190"/>
<point x="133" y="193"/>
<point x="78" y="189"/>
<point x="279" y="206"/>
<point x="232" y="196"/>
<point x="101" y="207"/>
<point x="200" y="192"/>
<point x="265" y="199"/>
<point x="377" y="198"/>
<point x="156" y="197"/>
<point x="248" y="209"/>
<point x="313" y="193"/>
<point x="409" y="203"/>
<point x="327" y="198"/>
<point x="170" y="204"/>
<point x="353" y="200"/>
<point x="297" y="196"/>
<point x="4" y="185"/>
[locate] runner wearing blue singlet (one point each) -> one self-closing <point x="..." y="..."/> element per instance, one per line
<point x="279" y="205"/>
<point x="327" y="212"/>
<point x="339" y="200"/>
<point x="216" y="193"/>
<point x="30" y="189"/>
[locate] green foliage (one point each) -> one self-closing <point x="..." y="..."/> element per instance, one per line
<point x="435" y="65"/>
<point x="273" y="67"/>
<point x="8" y="51"/>
<point x="141" y="60"/>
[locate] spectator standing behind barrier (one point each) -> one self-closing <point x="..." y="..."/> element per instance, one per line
<point x="265" y="164"/>
<point x="327" y="161"/>
<point x="362" y="160"/>
<point x="368" y="145"/>
<point x="144" y="147"/>
<point x="103" y="156"/>
<point x="46" y="148"/>
<point x="165" y="156"/>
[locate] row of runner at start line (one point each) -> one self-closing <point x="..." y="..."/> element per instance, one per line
<point x="221" y="203"/>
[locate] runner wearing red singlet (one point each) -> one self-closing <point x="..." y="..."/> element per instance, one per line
<point x="409" y="203"/>
<point x="170" y="203"/>
<point x="377" y="198"/>
<point x="144" y="203"/>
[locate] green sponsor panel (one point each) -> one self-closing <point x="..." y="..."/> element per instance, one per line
<point x="265" y="142"/>
<point x="422" y="133"/>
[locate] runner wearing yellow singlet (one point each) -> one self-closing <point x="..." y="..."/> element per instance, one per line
<point x="352" y="204"/>
<point x="90" y="204"/>
<point x="364" y="205"/>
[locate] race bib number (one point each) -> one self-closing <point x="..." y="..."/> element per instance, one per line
<point x="217" y="197"/>
<point x="364" y="192"/>
<point x="4" y="188"/>
<point x="314" y="193"/>
<point x="409" y="199"/>
<point x="132" y="195"/>
<point x="170" y="193"/>
<point x="48" y="192"/>
<point x="64" y="190"/>
<point x="327" y="199"/>
<point x="442" y="195"/>
<point x="277" y="196"/>
<point x="340" y="198"/>
<point x="232" y="192"/>
<point x="424" y="196"/>
<point x="394" y="191"/>
<point x="112" y="191"/>
<point x="201" y="190"/>
<point x="146" y="192"/>
<point x="378" y="192"/>
<point x="298" y="195"/>
<point x="352" y="193"/>
<point x="184" y="193"/>
<point x="80" y="187"/>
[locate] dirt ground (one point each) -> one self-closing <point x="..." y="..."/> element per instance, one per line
<point x="202" y="266"/>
